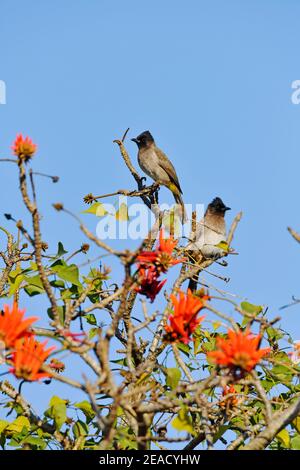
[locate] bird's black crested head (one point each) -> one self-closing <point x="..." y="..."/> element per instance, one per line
<point x="217" y="206"/>
<point x="144" y="139"/>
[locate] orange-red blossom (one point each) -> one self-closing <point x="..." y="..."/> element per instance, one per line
<point x="183" y="321"/>
<point x="161" y="258"/>
<point x="152" y="263"/>
<point x="23" y="148"/>
<point x="13" y="325"/>
<point x="240" y="350"/>
<point x="148" y="283"/>
<point x="28" y="359"/>
<point x="26" y="355"/>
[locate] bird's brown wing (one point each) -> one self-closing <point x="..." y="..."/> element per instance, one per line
<point x="167" y="166"/>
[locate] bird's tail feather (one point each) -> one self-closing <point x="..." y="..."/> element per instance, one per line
<point x="193" y="285"/>
<point x="179" y="200"/>
<point x="193" y="281"/>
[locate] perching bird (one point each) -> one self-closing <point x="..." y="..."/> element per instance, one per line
<point x="156" y="164"/>
<point x="210" y="231"/>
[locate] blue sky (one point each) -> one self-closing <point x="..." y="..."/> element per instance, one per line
<point x="211" y="80"/>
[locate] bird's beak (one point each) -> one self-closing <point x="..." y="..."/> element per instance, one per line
<point x="134" y="140"/>
<point x="227" y="208"/>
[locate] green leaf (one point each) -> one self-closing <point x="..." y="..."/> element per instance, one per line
<point x="282" y="373"/>
<point x="87" y="410"/>
<point x="122" y="362"/>
<point x="220" y="432"/>
<point x="183" y="421"/>
<point x="173" y="376"/>
<point x="274" y="334"/>
<point x="60" y="250"/>
<point x="284" y="438"/>
<point x="126" y="438"/>
<point x="97" y="209"/>
<point x="296" y="424"/>
<point x="34" y="280"/>
<point x="35" y="442"/>
<point x="33" y="266"/>
<point x="197" y="345"/>
<point x="57" y="411"/>
<point x="295" y="442"/>
<point x="61" y="313"/>
<point x="33" y="290"/>
<point x="268" y="384"/>
<point x="34" y="286"/>
<point x="184" y="348"/>
<point x="18" y="424"/>
<point x="80" y="429"/>
<point x="3" y="425"/>
<point x="251" y="308"/>
<point x="91" y="319"/>
<point x="67" y="273"/>
<point x="58" y="283"/>
<point x="2" y="441"/>
<point x="15" y="279"/>
<point x="93" y="332"/>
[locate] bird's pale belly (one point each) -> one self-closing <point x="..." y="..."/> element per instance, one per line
<point x="149" y="164"/>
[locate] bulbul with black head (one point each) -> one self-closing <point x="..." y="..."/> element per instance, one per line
<point x="156" y="164"/>
<point x="210" y="231"/>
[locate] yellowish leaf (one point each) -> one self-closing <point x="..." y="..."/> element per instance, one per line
<point x="122" y="213"/>
<point x="183" y="421"/>
<point x="284" y="438"/>
<point x="18" y="424"/>
<point x="296" y="424"/>
<point x="97" y="209"/>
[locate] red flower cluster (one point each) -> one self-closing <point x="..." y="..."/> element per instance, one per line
<point x="13" y="326"/>
<point x="183" y="321"/>
<point x="148" y="283"/>
<point x="240" y="350"/>
<point x="152" y="263"/>
<point x="25" y="354"/>
<point x="28" y="357"/>
<point x="24" y="149"/>
<point x="161" y="258"/>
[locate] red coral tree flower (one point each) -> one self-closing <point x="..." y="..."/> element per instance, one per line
<point x="240" y="350"/>
<point x="28" y="359"/>
<point x="162" y="257"/>
<point x="152" y="263"/>
<point x="183" y="321"/>
<point x="149" y="285"/>
<point x="24" y="149"/>
<point x="13" y="326"/>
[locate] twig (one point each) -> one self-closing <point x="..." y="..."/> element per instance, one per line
<point x="279" y="421"/>
<point x="294" y="234"/>
<point x="181" y="363"/>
